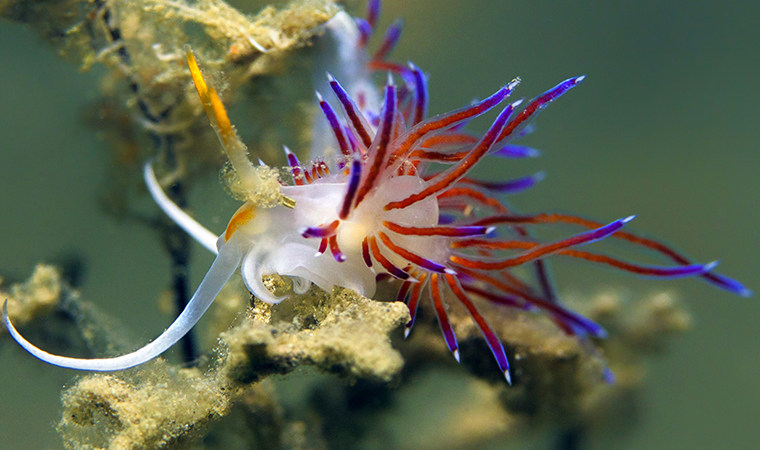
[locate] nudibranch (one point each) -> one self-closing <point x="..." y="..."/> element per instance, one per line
<point x="399" y="202"/>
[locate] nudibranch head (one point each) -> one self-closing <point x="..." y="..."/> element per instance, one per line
<point x="397" y="201"/>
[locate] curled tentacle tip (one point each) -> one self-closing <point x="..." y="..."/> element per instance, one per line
<point x="456" y="355"/>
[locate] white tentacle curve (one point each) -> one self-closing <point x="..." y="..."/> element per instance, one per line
<point x="221" y="270"/>
<point x="197" y="231"/>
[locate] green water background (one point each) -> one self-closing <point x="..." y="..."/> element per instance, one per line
<point x="665" y="126"/>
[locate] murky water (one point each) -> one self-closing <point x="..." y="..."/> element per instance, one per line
<point x="665" y="126"/>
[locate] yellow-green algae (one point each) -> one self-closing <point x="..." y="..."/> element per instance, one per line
<point x="558" y="381"/>
<point x="38" y="295"/>
<point x="147" y="97"/>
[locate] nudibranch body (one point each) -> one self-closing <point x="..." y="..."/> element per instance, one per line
<point x="381" y="210"/>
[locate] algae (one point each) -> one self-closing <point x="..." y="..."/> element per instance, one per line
<point x="234" y="402"/>
<point x="36" y="296"/>
<point x="148" y="107"/>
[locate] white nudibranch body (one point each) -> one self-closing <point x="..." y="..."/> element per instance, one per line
<point x="273" y="242"/>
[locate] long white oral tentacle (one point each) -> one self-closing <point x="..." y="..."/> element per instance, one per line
<point x="197" y="231"/>
<point x="223" y="267"/>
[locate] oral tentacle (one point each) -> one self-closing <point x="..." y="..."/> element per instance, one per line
<point x="197" y="231"/>
<point x="225" y="264"/>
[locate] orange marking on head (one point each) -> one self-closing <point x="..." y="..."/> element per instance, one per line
<point x="242" y="216"/>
